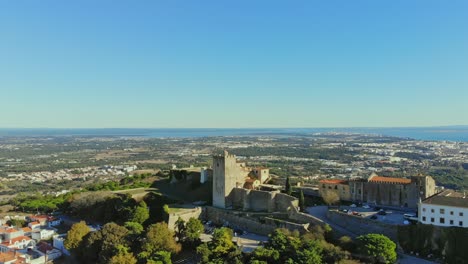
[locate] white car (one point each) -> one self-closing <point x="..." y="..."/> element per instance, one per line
<point x="366" y="206"/>
<point x="353" y="205"/>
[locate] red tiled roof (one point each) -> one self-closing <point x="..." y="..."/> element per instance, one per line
<point x="13" y="240"/>
<point x="27" y="229"/>
<point x="7" y="256"/>
<point x="333" y="181"/>
<point x="389" y="180"/>
<point x="44" y="247"/>
<point x="39" y="216"/>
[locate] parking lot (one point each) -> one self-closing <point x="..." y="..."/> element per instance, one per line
<point x="393" y="217"/>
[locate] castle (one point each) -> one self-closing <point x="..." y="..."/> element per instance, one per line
<point x="229" y="173"/>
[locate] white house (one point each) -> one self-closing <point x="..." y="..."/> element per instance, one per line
<point x="42" y="234"/>
<point x="448" y="208"/>
<point x="58" y="244"/>
<point x="34" y="225"/>
<point x="20" y="244"/>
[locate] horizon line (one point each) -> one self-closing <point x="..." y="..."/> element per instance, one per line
<point x="324" y="127"/>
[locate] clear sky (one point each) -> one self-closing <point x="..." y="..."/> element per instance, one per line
<point x="233" y="63"/>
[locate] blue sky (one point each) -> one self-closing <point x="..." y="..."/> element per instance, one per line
<point x="233" y="63"/>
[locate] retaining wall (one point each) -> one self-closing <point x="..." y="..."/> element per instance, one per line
<point x="362" y="226"/>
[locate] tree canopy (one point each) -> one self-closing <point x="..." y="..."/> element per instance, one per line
<point x="158" y="238"/>
<point x="379" y="247"/>
<point x="220" y="249"/>
<point x="75" y="235"/>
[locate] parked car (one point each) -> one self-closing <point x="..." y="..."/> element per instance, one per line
<point x="408" y="216"/>
<point x="366" y="206"/>
<point x="377" y="208"/>
<point x="374" y="217"/>
<point x="353" y="205"/>
<point x="382" y="212"/>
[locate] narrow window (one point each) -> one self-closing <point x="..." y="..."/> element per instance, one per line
<point x="451" y="222"/>
<point x="442" y="220"/>
<point x="442" y="211"/>
<point x="432" y="219"/>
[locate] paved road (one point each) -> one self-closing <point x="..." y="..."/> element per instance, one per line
<point x="407" y="259"/>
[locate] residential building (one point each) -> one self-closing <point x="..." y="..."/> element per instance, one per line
<point x="448" y="208"/>
<point x="20" y="243"/>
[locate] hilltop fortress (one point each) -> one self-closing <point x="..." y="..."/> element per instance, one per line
<point x="229" y="173"/>
<point x="234" y="184"/>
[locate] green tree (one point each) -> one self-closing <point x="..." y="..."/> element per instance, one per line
<point x="134" y="228"/>
<point x="193" y="229"/>
<point x="102" y="245"/>
<point x="180" y="228"/>
<point x="123" y="257"/>
<point x="17" y="222"/>
<point x="220" y="249"/>
<point x="379" y="247"/>
<point x="330" y="197"/>
<point x="284" y="246"/>
<point x="160" y="257"/>
<point x="140" y="214"/>
<point x="266" y="255"/>
<point x="158" y="238"/>
<point x="75" y="235"/>
<point x="288" y="187"/>
<point x="346" y="243"/>
<point x="302" y="201"/>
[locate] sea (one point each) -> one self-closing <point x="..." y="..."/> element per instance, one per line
<point x="447" y="133"/>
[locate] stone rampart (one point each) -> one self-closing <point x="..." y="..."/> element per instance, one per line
<point x="262" y="201"/>
<point x="185" y="214"/>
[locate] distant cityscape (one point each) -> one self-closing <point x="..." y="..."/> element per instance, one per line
<point x="355" y="183"/>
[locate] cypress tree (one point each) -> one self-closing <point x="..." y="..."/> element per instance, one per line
<point x="301" y="201"/>
<point x="288" y="188"/>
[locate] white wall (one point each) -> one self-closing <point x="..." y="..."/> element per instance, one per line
<point x="450" y="213"/>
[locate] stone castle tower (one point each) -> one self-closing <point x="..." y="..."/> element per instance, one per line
<point x="227" y="175"/>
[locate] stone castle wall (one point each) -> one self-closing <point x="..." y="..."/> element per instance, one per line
<point x="242" y="220"/>
<point x="262" y="201"/>
<point x="185" y="214"/>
